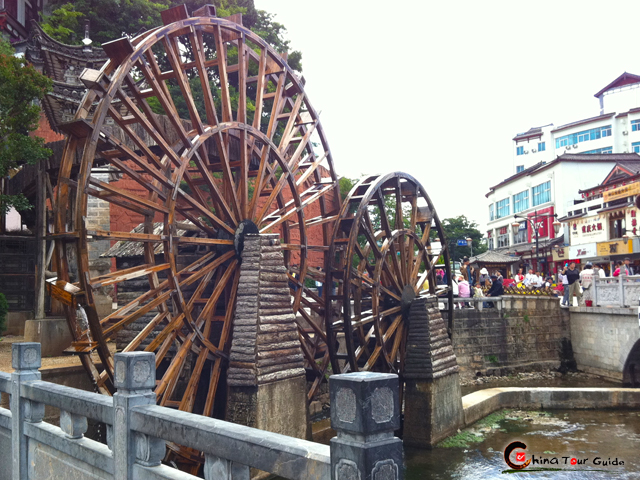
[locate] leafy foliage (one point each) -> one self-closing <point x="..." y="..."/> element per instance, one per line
<point x="111" y="19"/>
<point x="20" y="85"/>
<point x="63" y="23"/>
<point x="346" y="184"/>
<point x="4" y="308"/>
<point x="458" y="228"/>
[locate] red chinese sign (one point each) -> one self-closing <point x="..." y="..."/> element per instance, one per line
<point x="543" y="222"/>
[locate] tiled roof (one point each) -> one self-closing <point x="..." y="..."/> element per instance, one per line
<point x="585" y="120"/>
<point x="491" y="256"/>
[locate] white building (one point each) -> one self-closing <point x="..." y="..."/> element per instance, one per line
<point x="538" y="196"/>
<point x="605" y="227"/>
<point x="615" y="130"/>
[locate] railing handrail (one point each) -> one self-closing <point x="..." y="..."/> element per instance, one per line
<point x="138" y="429"/>
<point x="87" y="404"/>
<point x="295" y="458"/>
<point x="5" y="382"/>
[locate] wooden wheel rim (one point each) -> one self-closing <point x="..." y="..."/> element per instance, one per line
<point x="294" y="175"/>
<point x="382" y="267"/>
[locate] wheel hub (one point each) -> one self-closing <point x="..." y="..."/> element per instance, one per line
<point x="408" y="295"/>
<point x="245" y="227"/>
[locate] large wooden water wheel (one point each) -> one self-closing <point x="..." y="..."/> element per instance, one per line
<point x="383" y="255"/>
<point x="220" y="139"/>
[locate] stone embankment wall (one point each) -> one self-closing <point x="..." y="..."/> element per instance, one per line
<point x="528" y="333"/>
<point x="603" y="338"/>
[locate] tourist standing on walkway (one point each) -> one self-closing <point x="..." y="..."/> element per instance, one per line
<point x="630" y="268"/>
<point x="496" y="290"/>
<point x="485" y="279"/>
<point x="468" y="272"/>
<point x="529" y="278"/>
<point x="573" y="281"/>
<point x="464" y="291"/>
<point x="586" y="279"/>
<point x="621" y="269"/>
<point x="519" y="277"/>
<point x="598" y="270"/>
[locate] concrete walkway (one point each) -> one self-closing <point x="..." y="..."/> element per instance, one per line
<point x="479" y="404"/>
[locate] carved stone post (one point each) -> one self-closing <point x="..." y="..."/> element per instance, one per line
<point x="25" y="359"/>
<point x="433" y="400"/>
<point x="365" y="411"/>
<point x="135" y="376"/>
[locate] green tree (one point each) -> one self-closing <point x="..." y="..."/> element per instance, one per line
<point x="63" y="23"/>
<point x="110" y="19"/>
<point x="459" y="228"/>
<point x="21" y="86"/>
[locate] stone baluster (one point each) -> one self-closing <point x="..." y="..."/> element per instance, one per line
<point x="596" y="282"/>
<point x="365" y="411"/>
<point x="135" y="377"/>
<point x="74" y="426"/>
<point x="221" y="469"/>
<point x="621" y="279"/>
<point x="25" y="359"/>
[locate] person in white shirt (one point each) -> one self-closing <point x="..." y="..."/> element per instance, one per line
<point x="586" y="279"/>
<point x="599" y="271"/>
<point x="539" y="281"/>
<point x="530" y="278"/>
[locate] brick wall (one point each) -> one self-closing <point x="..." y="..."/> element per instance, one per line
<point x="525" y="335"/>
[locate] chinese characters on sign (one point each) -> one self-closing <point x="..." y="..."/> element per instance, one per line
<point x="588" y="229"/>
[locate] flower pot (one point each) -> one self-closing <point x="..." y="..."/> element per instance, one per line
<point x="588" y="303"/>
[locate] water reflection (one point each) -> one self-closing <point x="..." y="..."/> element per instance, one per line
<point x="580" y="434"/>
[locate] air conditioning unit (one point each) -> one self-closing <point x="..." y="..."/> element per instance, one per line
<point x="624" y="132"/>
<point x="533" y="150"/>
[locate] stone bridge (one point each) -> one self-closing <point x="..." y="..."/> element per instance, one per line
<point x="530" y="333"/>
<point x="606" y="342"/>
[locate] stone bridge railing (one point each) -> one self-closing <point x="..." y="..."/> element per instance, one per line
<point x="365" y="414"/>
<point x="622" y="291"/>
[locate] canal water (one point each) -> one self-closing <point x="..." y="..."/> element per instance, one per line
<point x="595" y="439"/>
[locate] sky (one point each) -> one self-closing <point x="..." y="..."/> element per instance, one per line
<point x="439" y="89"/>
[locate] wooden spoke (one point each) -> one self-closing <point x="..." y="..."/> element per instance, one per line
<point x="380" y="259"/>
<point x="190" y="162"/>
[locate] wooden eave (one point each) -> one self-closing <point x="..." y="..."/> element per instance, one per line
<point x="621" y="81"/>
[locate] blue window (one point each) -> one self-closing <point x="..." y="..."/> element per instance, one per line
<point x="519" y="168"/>
<point x="541" y="146"/>
<point x="542" y="193"/>
<point x="521" y="236"/>
<point x="491" y="212"/>
<point x="635" y="125"/>
<point x="521" y="201"/>
<point x="584" y="136"/>
<point x="636" y="147"/>
<point x="502" y="208"/>
<point x="520" y="150"/>
<point x="601" y="150"/>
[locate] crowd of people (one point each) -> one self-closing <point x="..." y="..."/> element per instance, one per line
<point x="570" y="281"/>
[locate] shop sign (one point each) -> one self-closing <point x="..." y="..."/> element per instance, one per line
<point x="622" y="192"/>
<point x="542" y="222"/>
<point x="614" y="248"/>
<point x="587" y="250"/>
<point x="588" y="229"/>
<point x="560" y="254"/>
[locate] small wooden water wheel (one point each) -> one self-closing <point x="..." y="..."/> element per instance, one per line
<point x="381" y="258"/>
<point x="220" y="139"/>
